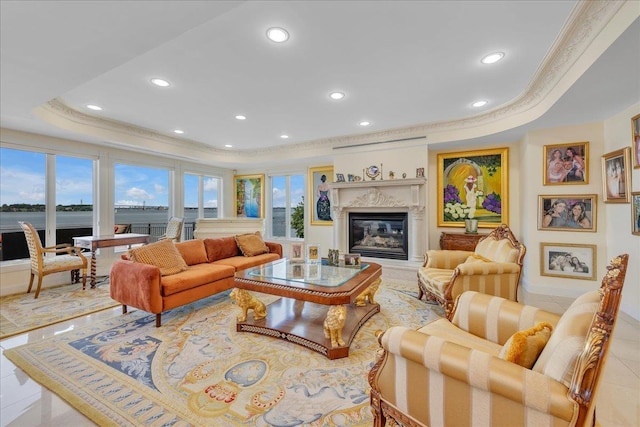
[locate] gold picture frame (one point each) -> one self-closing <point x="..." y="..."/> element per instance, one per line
<point x="568" y="212"/>
<point x="635" y="213"/>
<point x="320" y="196"/>
<point x="483" y="173"/>
<point x="568" y="260"/>
<point x="635" y="140"/>
<point x="248" y="194"/>
<point x="616" y="174"/>
<point x="566" y="164"/>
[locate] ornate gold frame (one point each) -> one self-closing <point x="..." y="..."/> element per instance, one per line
<point x="257" y="184"/>
<point x="314" y="180"/>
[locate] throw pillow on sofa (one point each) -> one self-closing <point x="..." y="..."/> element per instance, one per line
<point x="251" y="244"/>
<point x="162" y="254"/>
<point x="524" y="347"/>
<point x="193" y="251"/>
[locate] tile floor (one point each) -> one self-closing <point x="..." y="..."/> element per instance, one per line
<point x="25" y="403"/>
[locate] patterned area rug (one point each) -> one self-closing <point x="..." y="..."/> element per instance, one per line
<point x="197" y="370"/>
<point x="22" y="312"/>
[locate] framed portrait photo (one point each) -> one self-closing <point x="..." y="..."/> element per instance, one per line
<point x="320" y="208"/>
<point x="313" y="254"/>
<point x="616" y="176"/>
<point x="248" y="191"/>
<point x="568" y="260"/>
<point x="475" y="184"/>
<point x="566" y="164"/>
<point x="635" y="144"/>
<point x="568" y="212"/>
<point x="297" y="253"/>
<point x="635" y="213"/>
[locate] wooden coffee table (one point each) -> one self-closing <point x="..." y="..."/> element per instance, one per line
<point x="311" y="294"/>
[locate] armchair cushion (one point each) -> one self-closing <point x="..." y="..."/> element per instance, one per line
<point x="524" y="347"/>
<point x="497" y="250"/>
<point x="163" y="254"/>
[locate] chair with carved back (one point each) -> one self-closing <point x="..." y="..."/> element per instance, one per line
<point x="67" y="258"/>
<point x="494" y="268"/>
<point x="499" y="362"/>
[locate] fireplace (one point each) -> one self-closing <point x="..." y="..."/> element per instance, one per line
<point x="379" y="234"/>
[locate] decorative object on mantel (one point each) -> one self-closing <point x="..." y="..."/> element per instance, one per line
<point x="350" y="177"/>
<point x="420" y="173"/>
<point x="373" y="172"/>
<point x="313" y="254"/>
<point x="339" y="177"/>
<point x="392" y="175"/>
<point x="404" y="175"/>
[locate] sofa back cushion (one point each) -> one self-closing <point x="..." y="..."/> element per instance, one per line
<point x="162" y="254"/>
<point x="497" y="250"/>
<point x="558" y="359"/>
<point x="251" y="244"/>
<point x="193" y="251"/>
<point x="221" y="247"/>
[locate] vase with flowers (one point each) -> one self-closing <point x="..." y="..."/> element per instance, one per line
<point x="456" y="211"/>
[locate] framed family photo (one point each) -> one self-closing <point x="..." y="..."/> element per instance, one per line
<point x="635" y="144"/>
<point x="576" y="212"/>
<point x="313" y="254"/>
<point x="616" y="173"/>
<point x="248" y="191"/>
<point x="473" y="185"/>
<point x="320" y="208"/>
<point x="566" y="163"/>
<point x="297" y="253"/>
<point x="568" y="260"/>
<point x="635" y="213"/>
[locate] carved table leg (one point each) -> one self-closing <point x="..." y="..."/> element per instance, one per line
<point x="247" y="301"/>
<point x="334" y="323"/>
<point x="93" y="269"/>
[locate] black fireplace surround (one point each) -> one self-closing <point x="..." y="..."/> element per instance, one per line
<point x="379" y="234"/>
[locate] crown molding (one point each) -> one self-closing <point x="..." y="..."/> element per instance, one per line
<point x="584" y="25"/>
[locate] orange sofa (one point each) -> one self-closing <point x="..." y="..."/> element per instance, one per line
<point x="211" y="265"/>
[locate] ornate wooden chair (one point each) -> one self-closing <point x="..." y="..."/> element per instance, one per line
<point x="41" y="264"/>
<point x="494" y="268"/>
<point x="174" y="229"/>
<point x="461" y="372"/>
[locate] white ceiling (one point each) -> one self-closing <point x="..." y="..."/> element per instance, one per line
<point x="401" y="64"/>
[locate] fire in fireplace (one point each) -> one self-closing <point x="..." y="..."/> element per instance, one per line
<point x="379" y="235"/>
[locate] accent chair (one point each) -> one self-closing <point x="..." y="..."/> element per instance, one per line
<point x="494" y="268"/>
<point x="498" y="362"/>
<point x="174" y="229"/>
<point x="41" y="264"/>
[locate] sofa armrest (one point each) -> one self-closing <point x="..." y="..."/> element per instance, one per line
<point x="447" y="259"/>
<point x="274" y="248"/>
<point x="447" y="372"/>
<point x="495" y="318"/>
<point x="137" y="285"/>
<point x="484" y="267"/>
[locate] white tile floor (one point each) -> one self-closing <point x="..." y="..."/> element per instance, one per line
<point x="24" y="403"/>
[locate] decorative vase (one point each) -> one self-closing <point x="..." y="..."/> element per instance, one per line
<point x="471" y="226"/>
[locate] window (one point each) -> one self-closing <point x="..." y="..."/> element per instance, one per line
<point x="200" y="197"/>
<point x="142" y="198"/>
<point x="25" y="177"/>
<point x="287" y="191"/>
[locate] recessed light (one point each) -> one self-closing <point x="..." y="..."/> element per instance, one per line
<point x="277" y="34"/>
<point x="364" y="123"/>
<point x="160" y="82"/>
<point x="228" y="145"/>
<point x="94" y="107"/>
<point x="284" y="136"/>
<point x="241" y="117"/>
<point x="178" y="131"/>
<point x="479" y="104"/>
<point x="492" y="58"/>
<point x="336" y="95"/>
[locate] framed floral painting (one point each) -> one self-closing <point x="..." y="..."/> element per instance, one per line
<point x="248" y="193"/>
<point x="473" y="185"/>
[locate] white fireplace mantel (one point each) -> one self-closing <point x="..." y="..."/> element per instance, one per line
<point x="394" y="195"/>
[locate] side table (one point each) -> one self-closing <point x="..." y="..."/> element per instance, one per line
<point x="459" y="241"/>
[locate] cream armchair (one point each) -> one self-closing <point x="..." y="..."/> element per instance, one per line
<point x="454" y="373"/>
<point x="493" y="268"/>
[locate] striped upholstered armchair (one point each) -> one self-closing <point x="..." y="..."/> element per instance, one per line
<point x="493" y="268"/>
<point x="457" y="373"/>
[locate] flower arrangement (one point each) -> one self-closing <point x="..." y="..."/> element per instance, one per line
<point x="452" y="194"/>
<point x="456" y="211"/>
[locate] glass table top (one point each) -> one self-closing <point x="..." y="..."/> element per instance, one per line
<point x="313" y="274"/>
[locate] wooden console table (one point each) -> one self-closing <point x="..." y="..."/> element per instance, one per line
<point x="459" y="241"/>
<point x="96" y="242"/>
